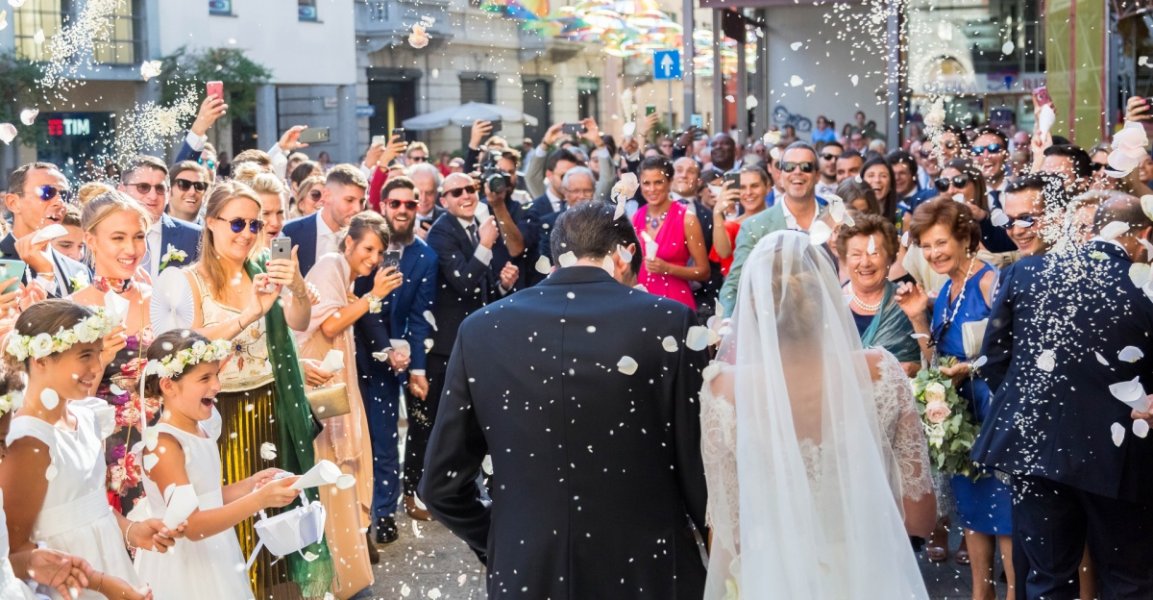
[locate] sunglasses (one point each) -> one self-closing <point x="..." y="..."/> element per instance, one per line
<point x="1024" y="221"/>
<point x="209" y="164"/>
<point x="315" y="194"/>
<point x="456" y="193"/>
<point x="989" y="149"/>
<point x="146" y="188"/>
<point x="1096" y="166"/>
<point x="943" y="184"/>
<point x="788" y="166"/>
<point x="47" y="193"/>
<point x="237" y="225"/>
<point x="830" y="156"/>
<point x="185" y="185"/>
<point x="407" y="204"/>
<point x="950" y="145"/>
<point x="418" y="158"/>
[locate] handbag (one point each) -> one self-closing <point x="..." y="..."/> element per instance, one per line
<point x="290" y="531"/>
<point x="329" y="401"/>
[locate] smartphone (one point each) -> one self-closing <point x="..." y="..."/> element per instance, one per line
<point x="496" y="126"/>
<point x="281" y="248"/>
<point x="9" y="268"/>
<point x="573" y="128"/>
<point x="398" y="132"/>
<point x="650" y="109"/>
<point x="380" y="140"/>
<point x="1041" y="97"/>
<point x="215" y="88"/>
<point x="697" y="120"/>
<point x="391" y="259"/>
<point x="313" y="135"/>
<point x="733" y="180"/>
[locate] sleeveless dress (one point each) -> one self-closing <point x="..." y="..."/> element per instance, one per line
<point x="120" y="388"/>
<point x="246" y="403"/>
<point x="205" y="568"/>
<point x="984" y="505"/>
<point x="11" y="588"/>
<point x="76" y="517"/>
<point x="671" y="248"/>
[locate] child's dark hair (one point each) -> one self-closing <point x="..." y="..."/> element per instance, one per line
<point x="165" y="345"/>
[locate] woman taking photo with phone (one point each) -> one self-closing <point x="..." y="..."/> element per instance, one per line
<point x="752" y="186"/>
<point x="234" y="292"/>
<point x="345" y="439"/>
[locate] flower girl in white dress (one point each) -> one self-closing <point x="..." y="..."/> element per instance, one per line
<point x="183" y="370"/>
<point x="53" y="473"/>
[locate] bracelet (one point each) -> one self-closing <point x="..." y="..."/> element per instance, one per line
<point x="241" y="325"/>
<point x="126" y="532"/>
<point x="99" y="586"/>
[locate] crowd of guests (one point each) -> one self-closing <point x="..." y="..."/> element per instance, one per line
<point x="181" y="263"/>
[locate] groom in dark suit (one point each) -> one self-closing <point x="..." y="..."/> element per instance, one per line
<point x="170" y="242"/>
<point x="593" y="429"/>
<point x="1064" y="328"/>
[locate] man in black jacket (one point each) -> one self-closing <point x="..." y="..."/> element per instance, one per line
<point x="572" y="389"/>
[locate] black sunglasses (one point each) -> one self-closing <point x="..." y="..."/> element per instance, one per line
<point x="186" y="185"/>
<point x="1096" y="166"/>
<point x="418" y="158"/>
<point x="47" y="193"/>
<point x="456" y="193"/>
<point x="314" y="194"/>
<point x="990" y="149"/>
<point x="958" y="182"/>
<point x="830" y="156"/>
<point x="146" y="188"/>
<point x="788" y="166"/>
<point x="237" y="225"/>
<point x="408" y="204"/>
<point x="1024" y="221"/>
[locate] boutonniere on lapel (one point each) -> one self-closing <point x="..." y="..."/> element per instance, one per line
<point x="79" y="281"/>
<point x="172" y="256"/>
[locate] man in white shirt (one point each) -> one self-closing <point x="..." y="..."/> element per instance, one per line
<point x="829" y="153"/>
<point x="171" y="242"/>
<point x="317" y="234"/>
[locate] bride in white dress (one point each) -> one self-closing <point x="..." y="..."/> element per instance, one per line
<point x="806" y="480"/>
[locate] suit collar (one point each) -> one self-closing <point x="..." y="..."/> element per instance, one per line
<point x="578" y="274"/>
<point x="8" y="245"/>
<point x="1109" y="247"/>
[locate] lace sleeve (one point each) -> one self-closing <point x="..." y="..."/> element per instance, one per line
<point x="718" y="452"/>
<point x="906" y="434"/>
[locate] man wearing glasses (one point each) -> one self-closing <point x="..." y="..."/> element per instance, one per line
<point x="317" y="234"/>
<point x="171" y="242"/>
<point x="830" y="152"/>
<point x="990" y="149"/>
<point x="800" y="210"/>
<point x="36" y="196"/>
<point x="402" y="318"/>
<point x="189" y="185"/>
<point x="1035" y="207"/>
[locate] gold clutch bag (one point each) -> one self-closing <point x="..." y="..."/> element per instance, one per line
<point x="329" y="401"/>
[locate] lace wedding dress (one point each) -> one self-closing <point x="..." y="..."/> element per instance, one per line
<point x="806" y="455"/>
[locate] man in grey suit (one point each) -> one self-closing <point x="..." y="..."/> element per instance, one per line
<point x="36" y="196"/>
<point x="799" y="210"/>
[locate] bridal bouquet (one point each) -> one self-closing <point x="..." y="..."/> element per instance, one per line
<point x="949" y="427"/>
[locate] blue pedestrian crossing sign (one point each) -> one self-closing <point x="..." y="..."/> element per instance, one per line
<point x="667" y="64"/>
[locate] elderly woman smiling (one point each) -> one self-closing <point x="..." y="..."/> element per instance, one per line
<point x="867" y="250"/>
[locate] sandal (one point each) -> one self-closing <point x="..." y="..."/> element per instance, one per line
<point x="936" y="554"/>
<point x="961" y="557"/>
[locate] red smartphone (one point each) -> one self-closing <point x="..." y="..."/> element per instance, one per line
<point x="1041" y="97"/>
<point x="215" y="88"/>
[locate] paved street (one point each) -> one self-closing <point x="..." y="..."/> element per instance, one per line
<point x="429" y="562"/>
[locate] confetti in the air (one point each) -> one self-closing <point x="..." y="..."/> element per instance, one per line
<point x="28" y="116"/>
<point x="669" y="343"/>
<point x="1118" y="431"/>
<point x="1047" y="361"/>
<point x="150" y="69"/>
<point x="7" y="132"/>
<point x="268" y="451"/>
<point x="1141" y="428"/>
<point x="796" y="81"/>
<point x="1130" y="354"/>
<point x="49" y="398"/>
<point x="627" y="365"/>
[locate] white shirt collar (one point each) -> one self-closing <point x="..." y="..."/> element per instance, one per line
<point x="791" y="221"/>
<point x="465" y="223"/>
<point x="322" y="226"/>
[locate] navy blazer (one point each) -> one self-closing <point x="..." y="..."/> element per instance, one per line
<point x="1056" y="424"/>
<point x="465" y="284"/>
<point x="403" y="313"/>
<point x="183" y="236"/>
<point x="302" y="232"/>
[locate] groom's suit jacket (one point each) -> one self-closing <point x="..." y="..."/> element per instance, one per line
<point x="1056" y="424"/>
<point x="597" y="473"/>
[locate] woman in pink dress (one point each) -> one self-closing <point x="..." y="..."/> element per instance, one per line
<point x="670" y="236"/>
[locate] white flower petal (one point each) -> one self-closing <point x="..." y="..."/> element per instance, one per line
<point x="1047" y="361"/>
<point x="150" y="461"/>
<point x="1101" y="359"/>
<point x="151" y="438"/>
<point x="1114" y="229"/>
<point x="543" y="265"/>
<point x="7" y="132"/>
<point x="819" y="233"/>
<point x="567" y="259"/>
<point x="345" y="481"/>
<point x="796" y="81"/>
<point x="1139" y="273"/>
<point x="998" y="217"/>
<point x="428" y="316"/>
<point x="1141" y="428"/>
<point x="669" y="343"/>
<point x="1130" y="354"/>
<point x="1131" y="392"/>
<point x="28" y="116"/>
<point x="627" y="365"/>
<point x="1118" y="432"/>
<point x="49" y="398"/>
<point x="796" y="45"/>
<point x="980" y="362"/>
<point x="697" y="338"/>
<point x="854" y="79"/>
<point x="268" y="451"/>
<point x="1008" y="47"/>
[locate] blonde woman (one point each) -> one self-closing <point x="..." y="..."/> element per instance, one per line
<point x="308" y="197"/>
<point x="234" y="292"/>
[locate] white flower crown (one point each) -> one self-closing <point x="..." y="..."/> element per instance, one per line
<point x="41" y="345"/>
<point x="10" y="402"/>
<point x="174" y="364"/>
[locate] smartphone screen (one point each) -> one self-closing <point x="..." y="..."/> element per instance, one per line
<point x="11" y="268"/>
<point x="391" y="259"/>
<point x="733" y="180"/>
<point x="215" y="88"/>
<point x="651" y="109"/>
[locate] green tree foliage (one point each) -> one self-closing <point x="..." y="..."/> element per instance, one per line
<point x="19" y="89"/>
<point x="186" y="71"/>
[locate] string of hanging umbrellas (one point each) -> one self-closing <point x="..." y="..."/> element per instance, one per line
<point x="623" y="28"/>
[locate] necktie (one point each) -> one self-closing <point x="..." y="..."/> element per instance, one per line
<point x="472" y="235"/>
<point x="995" y="199"/>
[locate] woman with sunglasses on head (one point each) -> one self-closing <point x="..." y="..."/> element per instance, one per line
<point x="236" y="292"/>
<point x="671" y="236"/>
<point x="307" y="197"/>
<point x="948" y="234"/>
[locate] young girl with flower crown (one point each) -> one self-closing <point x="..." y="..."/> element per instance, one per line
<point x="183" y="370"/>
<point x="53" y="474"/>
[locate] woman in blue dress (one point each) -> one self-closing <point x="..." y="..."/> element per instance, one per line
<point x="949" y="236"/>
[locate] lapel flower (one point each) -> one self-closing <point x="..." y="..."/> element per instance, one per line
<point x="172" y="256"/>
<point x="79" y="281"/>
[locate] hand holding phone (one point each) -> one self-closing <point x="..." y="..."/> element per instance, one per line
<point x="391" y="259"/>
<point x="573" y="128"/>
<point x="281" y="249"/>
<point x="650" y="109"/>
<point x="215" y="88"/>
<point x="314" y="135"/>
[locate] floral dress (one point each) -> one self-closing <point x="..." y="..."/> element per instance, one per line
<point x="120" y="387"/>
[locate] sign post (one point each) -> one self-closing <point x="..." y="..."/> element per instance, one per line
<point x="667" y="67"/>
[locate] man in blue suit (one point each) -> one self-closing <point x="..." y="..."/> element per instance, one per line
<point x="316" y="234"/>
<point x="1066" y="326"/>
<point x="402" y="317"/>
<point x="171" y="242"/>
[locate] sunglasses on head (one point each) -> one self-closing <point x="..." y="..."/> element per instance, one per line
<point x="456" y="193"/>
<point x="237" y="225"/>
<point x="186" y="184"/>
<point x="146" y="188"/>
<point x="1024" y="221"/>
<point x="209" y="164"/>
<point x="943" y="184"/>
<point x="407" y="204"/>
<point x="788" y="166"/>
<point x="47" y="193"/>
<point x="987" y="149"/>
<point x="830" y="156"/>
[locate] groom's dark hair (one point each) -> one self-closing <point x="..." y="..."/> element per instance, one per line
<point x="589" y="230"/>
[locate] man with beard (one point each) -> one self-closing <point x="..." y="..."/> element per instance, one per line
<point x="402" y="317"/>
<point x="36" y="195"/>
<point x="724" y="152"/>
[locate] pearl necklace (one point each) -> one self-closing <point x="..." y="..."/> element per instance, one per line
<point x="867" y="307"/>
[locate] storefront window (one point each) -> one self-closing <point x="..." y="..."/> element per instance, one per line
<point x="44" y="18"/>
<point x="36" y="17"/>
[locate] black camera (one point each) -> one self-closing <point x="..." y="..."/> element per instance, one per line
<point x="496" y="181"/>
